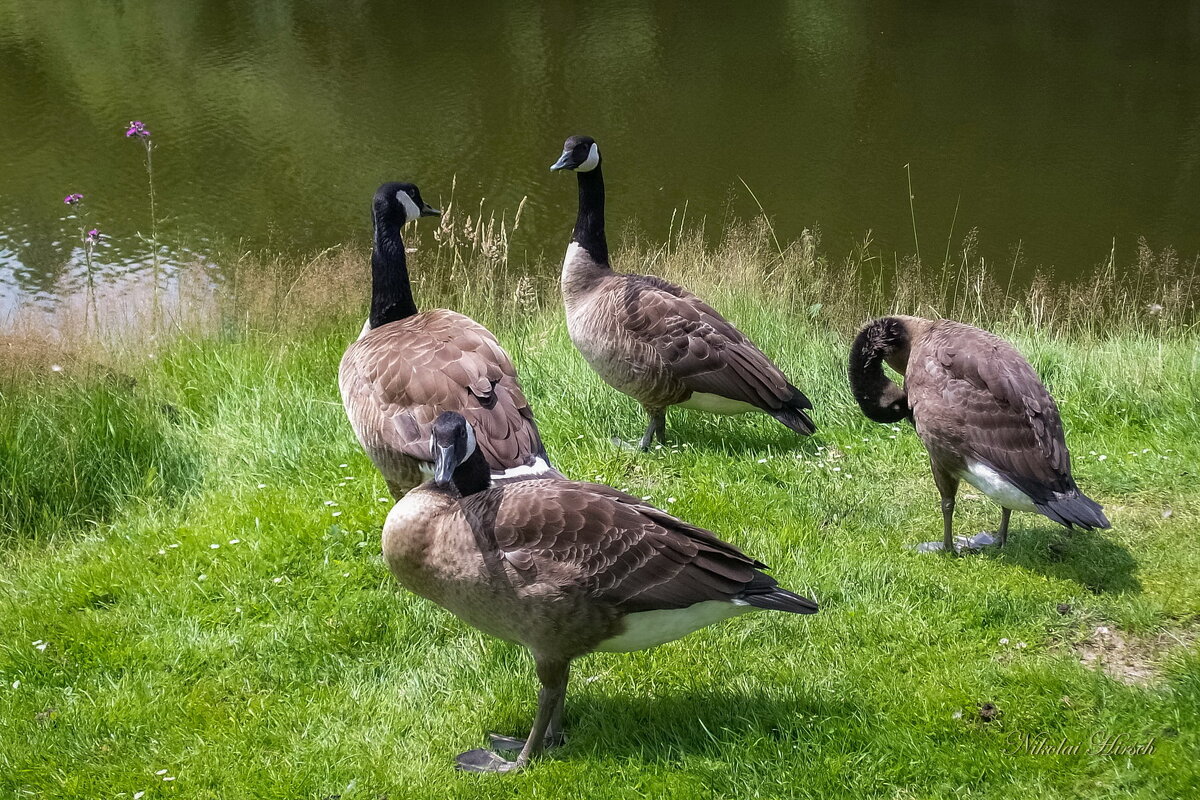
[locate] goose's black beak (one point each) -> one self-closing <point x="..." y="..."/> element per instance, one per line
<point x="429" y="211"/>
<point x="445" y="461"/>
<point x="564" y="162"/>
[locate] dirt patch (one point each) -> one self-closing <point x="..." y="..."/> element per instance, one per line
<point x="1132" y="659"/>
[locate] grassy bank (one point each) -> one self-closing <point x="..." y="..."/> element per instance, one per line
<point x="190" y="577"/>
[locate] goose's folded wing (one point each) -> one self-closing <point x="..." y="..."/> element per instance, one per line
<point x="399" y="377"/>
<point x="700" y="347"/>
<point x="615" y="548"/>
<point x="990" y="399"/>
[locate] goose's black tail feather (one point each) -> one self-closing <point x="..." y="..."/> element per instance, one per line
<point x="1075" y="510"/>
<point x="768" y="594"/>
<point x="792" y="413"/>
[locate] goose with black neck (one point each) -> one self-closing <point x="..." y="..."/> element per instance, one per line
<point x="982" y="413"/>
<point x="564" y="568"/>
<point x="655" y="341"/>
<point x="408" y="366"/>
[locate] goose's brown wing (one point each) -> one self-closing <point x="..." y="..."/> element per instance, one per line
<point x="614" y="548"/>
<point x="397" y="378"/>
<point x="975" y="395"/>
<point x="699" y="347"/>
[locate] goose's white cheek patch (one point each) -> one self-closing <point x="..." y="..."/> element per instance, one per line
<point x="593" y="160"/>
<point x="470" y="441"/>
<point x="411" y="211"/>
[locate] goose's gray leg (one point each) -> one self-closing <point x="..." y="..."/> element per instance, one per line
<point x="948" y="488"/>
<point x="554" y="734"/>
<point x="553" y="674"/>
<point x="1002" y="534"/>
<point x="656" y="428"/>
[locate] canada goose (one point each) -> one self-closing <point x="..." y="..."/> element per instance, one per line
<point x="407" y="367"/>
<point x="563" y="568"/>
<point x="652" y="340"/>
<point x="982" y="413"/>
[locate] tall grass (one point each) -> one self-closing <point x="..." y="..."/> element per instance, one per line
<point x="76" y="450"/>
<point x="81" y="441"/>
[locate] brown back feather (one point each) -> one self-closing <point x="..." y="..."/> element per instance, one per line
<point x="975" y="395"/>
<point x="610" y="546"/>
<point x="698" y="346"/>
<point x="399" y="377"/>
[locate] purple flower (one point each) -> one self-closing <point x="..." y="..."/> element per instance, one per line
<point x="72" y="199"/>
<point x="137" y="128"/>
<point x="93" y="236"/>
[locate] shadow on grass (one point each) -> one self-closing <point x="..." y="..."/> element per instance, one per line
<point x="689" y="723"/>
<point x="1088" y="558"/>
<point x="737" y="436"/>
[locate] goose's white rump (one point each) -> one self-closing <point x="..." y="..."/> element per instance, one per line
<point x="651" y="628"/>
<point x="997" y="489"/>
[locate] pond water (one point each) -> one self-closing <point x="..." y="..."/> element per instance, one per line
<point x="1053" y="128"/>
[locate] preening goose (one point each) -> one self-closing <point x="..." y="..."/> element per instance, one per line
<point x="563" y="568"/>
<point x="652" y="340"/>
<point x="408" y="367"/>
<point x="982" y="413"/>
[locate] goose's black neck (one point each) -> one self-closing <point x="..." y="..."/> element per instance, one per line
<point x="473" y="474"/>
<point x="391" y="292"/>
<point x="879" y="397"/>
<point x="589" y="225"/>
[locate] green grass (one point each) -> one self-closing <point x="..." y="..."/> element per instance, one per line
<point x="286" y="663"/>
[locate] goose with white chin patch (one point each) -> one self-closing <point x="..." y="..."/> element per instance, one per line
<point x="408" y="366"/>
<point x="563" y="568"/>
<point x="982" y="413"/>
<point x="653" y="340"/>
